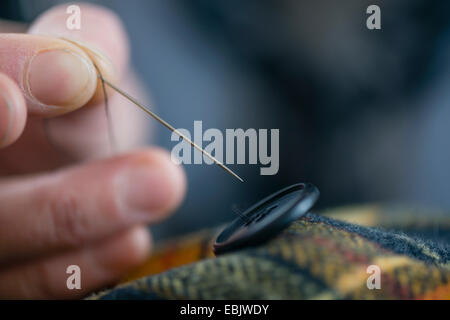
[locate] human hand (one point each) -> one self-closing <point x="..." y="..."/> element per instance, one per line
<point x="61" y="203"/>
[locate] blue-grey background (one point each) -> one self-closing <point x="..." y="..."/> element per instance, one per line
<point x="362" y="114"/>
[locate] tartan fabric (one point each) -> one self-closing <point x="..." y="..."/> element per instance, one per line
<point x="317" y="257"/>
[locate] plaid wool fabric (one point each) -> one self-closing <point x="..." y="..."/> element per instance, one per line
<point x="320" y="256"/>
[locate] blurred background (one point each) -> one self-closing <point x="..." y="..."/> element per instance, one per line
<point x="364" y="115"/>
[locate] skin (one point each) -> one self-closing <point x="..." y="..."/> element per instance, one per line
<point x="64" y="199"/>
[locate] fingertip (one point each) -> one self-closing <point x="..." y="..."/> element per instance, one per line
<point x="177" y="179"/>
<point x="125" y="251"/>
<point x="55" y="76"/>
<point x="96" y="22"/>
<point x="104" y="67"/>
<point x="110" y="54"/>
<point x="106" y="263"/>
<point x="13" y="111"/>
<point x="140" y="245"/>
<point x="150" y="185"/>
<point x="60" y="79"/>
<point x="175" y="175"/>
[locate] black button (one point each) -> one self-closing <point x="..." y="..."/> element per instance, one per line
<point x="267" y="218"/>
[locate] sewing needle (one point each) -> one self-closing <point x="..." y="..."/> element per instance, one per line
<point x="167" y="125"/>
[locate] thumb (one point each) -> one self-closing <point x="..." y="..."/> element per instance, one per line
<point x="101" y="36"/>
<point x="56" y="76"/>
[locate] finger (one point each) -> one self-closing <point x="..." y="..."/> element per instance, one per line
<point x="100" y="264"/>
<point x="109" y="53"/>
<point x="67" y="209"/>
<point x="85" y="133"/>
<point x="56" y="76"/>
<point x="12" y="26"/>
<point x="13" y="111"/>
<point x="78" y="136"/>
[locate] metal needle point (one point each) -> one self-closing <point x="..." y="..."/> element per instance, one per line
<point x="167" y="125"/>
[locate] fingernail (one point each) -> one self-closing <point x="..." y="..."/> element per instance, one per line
<point x="103" y="63"/>
<point x="6" y="117"/>
<point x="145" y="189"/>
<point x="59" y="77"/>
